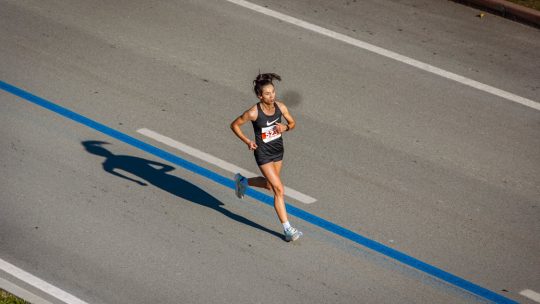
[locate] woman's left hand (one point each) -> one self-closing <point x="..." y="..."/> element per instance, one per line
<point x="281" y="128"/>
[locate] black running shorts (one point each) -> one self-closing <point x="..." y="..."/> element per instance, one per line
<point x="262" y="158"/>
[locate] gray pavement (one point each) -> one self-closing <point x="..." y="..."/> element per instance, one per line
<point x="443" y="172"/>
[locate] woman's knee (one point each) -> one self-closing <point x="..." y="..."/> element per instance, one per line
<point x="278" y="190"/>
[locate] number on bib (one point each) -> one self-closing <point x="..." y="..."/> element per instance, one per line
<point x="270" y="133"/>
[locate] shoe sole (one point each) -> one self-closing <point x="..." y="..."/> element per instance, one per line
<point x="294" y="237"/>
<point x="237" y="186"/>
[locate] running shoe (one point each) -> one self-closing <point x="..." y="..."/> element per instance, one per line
<point x="292" y="234"/>
<point x="240" y="184"/>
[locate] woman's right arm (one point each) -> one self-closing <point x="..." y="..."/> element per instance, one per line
<point x="238" y="122"/>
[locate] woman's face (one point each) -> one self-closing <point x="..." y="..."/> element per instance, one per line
<point x="268" y="94"/>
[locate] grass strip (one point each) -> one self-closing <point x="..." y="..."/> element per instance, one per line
<point x="7" y="298"/>
<point x="534" y="4"/>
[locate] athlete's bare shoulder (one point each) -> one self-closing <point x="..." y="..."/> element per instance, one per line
<point x="252" y="113"/>
<point x="282" y="106"/>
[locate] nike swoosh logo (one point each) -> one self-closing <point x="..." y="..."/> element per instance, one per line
<point x="271" y="123"/>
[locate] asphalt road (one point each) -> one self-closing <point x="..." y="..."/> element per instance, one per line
<point x="435" y="169"/>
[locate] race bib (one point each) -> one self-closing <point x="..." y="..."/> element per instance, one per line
<point x="270" y="133"/>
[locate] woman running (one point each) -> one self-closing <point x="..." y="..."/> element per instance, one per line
<point x="268" y="146"/>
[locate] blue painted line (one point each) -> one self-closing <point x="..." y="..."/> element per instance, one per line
<point x="297" y="212"/>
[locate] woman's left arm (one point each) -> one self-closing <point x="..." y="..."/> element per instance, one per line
<point x="290" y="120"/>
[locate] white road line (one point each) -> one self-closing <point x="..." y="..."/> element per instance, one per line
<point x="306" y="199"/>
<point x="39" y="284"/>
<point x="535" y="296"/>
<point x="389" y="54"/>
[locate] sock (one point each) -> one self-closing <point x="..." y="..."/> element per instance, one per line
<point x="286" y="225"/>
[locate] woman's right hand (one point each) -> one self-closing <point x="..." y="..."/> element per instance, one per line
<point x="252" y="145"/>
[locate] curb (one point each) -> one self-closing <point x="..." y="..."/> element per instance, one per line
<point x="508" y="10"/>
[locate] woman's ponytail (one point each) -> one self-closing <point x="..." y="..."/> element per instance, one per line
<point x="262" y="80"/>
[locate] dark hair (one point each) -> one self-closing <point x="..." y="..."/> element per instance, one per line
<point x="262" y="80"/>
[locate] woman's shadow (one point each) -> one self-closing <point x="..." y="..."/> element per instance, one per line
<point x="155" y="173"/>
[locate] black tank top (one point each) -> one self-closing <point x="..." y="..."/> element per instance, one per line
<point x="268" y="140"/>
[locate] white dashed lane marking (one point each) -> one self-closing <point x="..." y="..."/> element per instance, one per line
<point x="531" y="294"/>
<point x="306" y="199"/>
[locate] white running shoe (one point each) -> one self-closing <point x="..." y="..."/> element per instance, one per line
<point x="292" y="234"/>
<point x="240" y="184"/>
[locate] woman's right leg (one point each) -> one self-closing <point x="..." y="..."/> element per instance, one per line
<point x="259" y="182"/>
